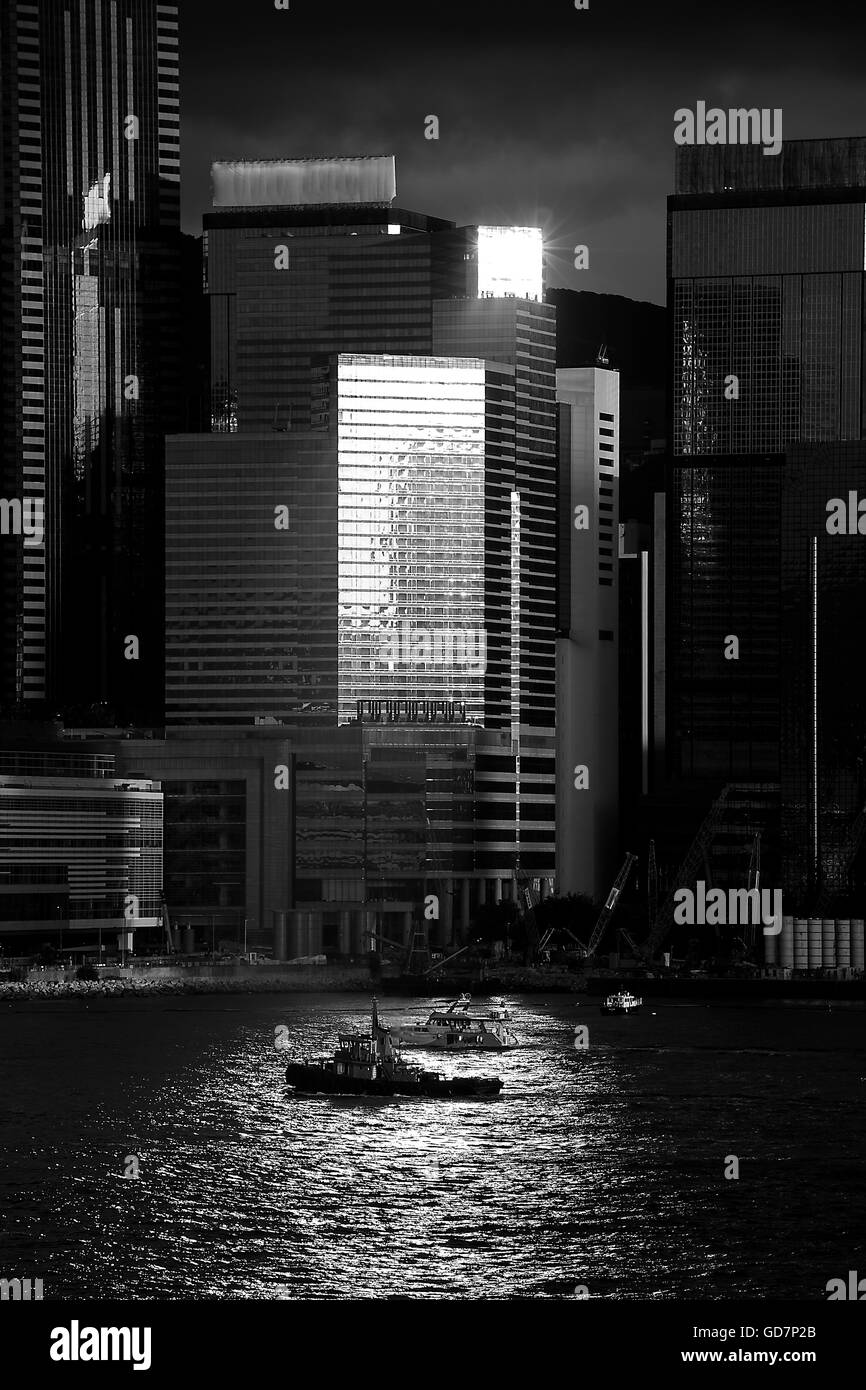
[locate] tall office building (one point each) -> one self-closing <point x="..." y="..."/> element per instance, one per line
<point x="311" y="571"/>
<point x="355" y="584"/>
<point x="765" y="269"/>
<point x="521" y="332"/>
<point x="307" y="258"/>
<point x="823" y="601"/>
<point x="311" y="262"/>
<point x="587" y="725"/>
<point x="766" y="279"/>
<point x="90" y="367"/>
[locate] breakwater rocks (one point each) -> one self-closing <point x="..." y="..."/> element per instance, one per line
<point x="275" y="979"/>
<point x="142" y="985"/>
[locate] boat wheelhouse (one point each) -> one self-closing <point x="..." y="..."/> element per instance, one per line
<point x="457" y="1029"/>
<point x="371" y="1065"/>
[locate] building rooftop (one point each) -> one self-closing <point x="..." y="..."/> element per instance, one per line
<point x="800" y="164"/>
<point x="304" y="182"/>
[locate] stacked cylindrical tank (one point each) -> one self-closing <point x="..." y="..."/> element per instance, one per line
<point x="827" y="943"/>
<point x="786" y="943"/>
<point x="801" y="943"/>
<point x="280" y="936"/>
<point x="812" y="943"/>
<point x="304" y="934"/>
<point x="345" y="933"/>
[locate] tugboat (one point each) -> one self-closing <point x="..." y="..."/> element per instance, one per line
<point x="622" y="1003"/>
<point x="456" y="1030"/>
<point x="363" y="1066"/>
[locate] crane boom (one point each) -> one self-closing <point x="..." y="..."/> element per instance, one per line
<point x="611" y="904"/>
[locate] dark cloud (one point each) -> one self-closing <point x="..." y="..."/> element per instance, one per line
<point x="547" y="114"/>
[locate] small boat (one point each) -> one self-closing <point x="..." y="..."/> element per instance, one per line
<point x="455" y="1029"/>
<point x="371" y="1066"/>
<point x="622" y="1003"/>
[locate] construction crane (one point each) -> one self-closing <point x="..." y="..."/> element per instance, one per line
<point x="697" y="858"/>
<point x="652" y="886"/>
<point x="754" y="882"/>
<point x="630" y="942"/>
<point x="611" y="904"/>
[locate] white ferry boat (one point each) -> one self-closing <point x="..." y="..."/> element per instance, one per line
<point x="455" y="1029"/>
<point x="622" y="1003"/>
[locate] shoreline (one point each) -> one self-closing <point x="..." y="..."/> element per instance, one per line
<point x="348" y="980"/>
<point x="315" y="981"/>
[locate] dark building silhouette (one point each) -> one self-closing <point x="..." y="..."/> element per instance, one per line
<point x="766" y="279"/>
<point x="765" y="264"/>
<point x="91" y="264"/>
<point x="823" y="602"/>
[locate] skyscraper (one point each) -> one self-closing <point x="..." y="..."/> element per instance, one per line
<point x="823" y="619"/>
<point x="311" y="571"/>
<point x="765" y="264"/>
<point x="587" y="725"/>
<point x="766" y="279"/>
<point x="362" y="552"/>
<point x="309" y="257"/>
<point x="89" y="336"/>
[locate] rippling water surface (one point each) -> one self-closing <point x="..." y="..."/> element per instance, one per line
<point x="603" y="1168"/>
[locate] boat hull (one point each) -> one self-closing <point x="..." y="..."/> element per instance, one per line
<point x="310" y="1079"/>
<point x="431" y="1043"/>
<point x="620" y="1009"/>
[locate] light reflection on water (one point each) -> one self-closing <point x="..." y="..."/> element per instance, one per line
<point x="602" y="1168"/>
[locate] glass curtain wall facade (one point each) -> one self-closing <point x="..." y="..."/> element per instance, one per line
<point x="521" y="333"/>
<point x="823" y="581"/>
<point x="723" y="581"/>
<point x="311" y="571"/>
<point x="412" y="439"/>
<point x="252" y="579"/>
<point x="290" y="285"/>
<point x="89" y="242"/>
<point x="329" y="321"/>
<point x="765" y="298"/>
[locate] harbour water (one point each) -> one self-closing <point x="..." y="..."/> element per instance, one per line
<point x="600" y="1169"/>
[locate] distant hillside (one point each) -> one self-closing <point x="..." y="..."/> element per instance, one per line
<point x="633" y="330"/>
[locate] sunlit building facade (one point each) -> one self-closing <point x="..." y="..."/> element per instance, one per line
<point x="414" y="436"/>
<point x="312" y="571"/>
<point x="390" y="377"/>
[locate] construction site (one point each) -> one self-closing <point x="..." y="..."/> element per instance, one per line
<point x="635" y="934"/>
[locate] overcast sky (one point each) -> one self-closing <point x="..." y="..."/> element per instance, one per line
<point x="548" y="115"/>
